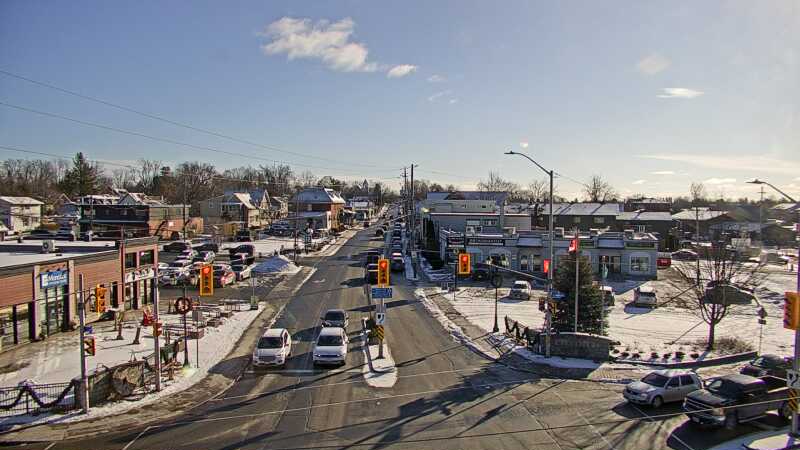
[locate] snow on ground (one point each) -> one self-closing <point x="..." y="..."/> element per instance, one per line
<point x="267" y="246"/>
<point x="765" y="440"/>
<point x="382" y="373"/>
<point x="276" y="264"/>
<point x="643" y="330"/>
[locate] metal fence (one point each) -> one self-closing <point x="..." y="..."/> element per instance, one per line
<point x="38" y="398"/>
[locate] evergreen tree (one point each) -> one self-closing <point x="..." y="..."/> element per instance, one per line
<point x="590" y="300"/>
<point x="82" y="179"/>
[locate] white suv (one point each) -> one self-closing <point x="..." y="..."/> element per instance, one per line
<point x="273" y="348"/>
<point x="520" y="290"/>
<point x="645" y="296"/>
<point x="331" y="346"/>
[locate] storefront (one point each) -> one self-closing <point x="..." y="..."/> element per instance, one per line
<point x="53" y="301"/>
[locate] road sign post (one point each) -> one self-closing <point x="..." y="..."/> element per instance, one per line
<point x="182" y="306"/>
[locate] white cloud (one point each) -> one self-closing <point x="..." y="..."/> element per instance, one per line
<point x="401" y="70"/>
<point x="753" y="164"/>
<point x="663" y="172"/>
<point x="453" y="101"/>
<point x="722" y="181"/>
<point x="436" y="79"/>
<point x="797" y="179"/>
<point x="326" y="41"/>
<point x="652" y="64"/>
<point x="438" y="95"/>
<point x="523" y="144"/>
<point x="679" y="93"/>
<point x="639" y="182"/>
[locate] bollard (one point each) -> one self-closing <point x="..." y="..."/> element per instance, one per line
<point x="138" y="332"/>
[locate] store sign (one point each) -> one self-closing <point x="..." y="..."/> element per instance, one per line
<point x="485" y="241"/>
<point x="139" y="274"/>
<point x="54" y="278"/>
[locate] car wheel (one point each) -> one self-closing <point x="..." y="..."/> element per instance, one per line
<point x="785" y="412"/>
<point x="657" y="402"/>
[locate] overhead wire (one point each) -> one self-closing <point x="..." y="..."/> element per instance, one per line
<point x="179" y="124"/>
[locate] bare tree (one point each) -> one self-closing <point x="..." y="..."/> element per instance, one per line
<point x="496" y="183"/>
<point x="697" y="193"/>
<point x="146" y="174"/>
<point x="599" y="190"/>
<point x="123" y="178"/>
<point x="307" y="179"/>
<point x="539" y="190"/>
<point x="722" y="283"/>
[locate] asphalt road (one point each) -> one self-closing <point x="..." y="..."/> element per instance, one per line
<point x="446" y="396"/>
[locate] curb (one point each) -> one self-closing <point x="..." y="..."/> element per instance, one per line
<point x="711" y="362"/>
<point x="237" y="376"/>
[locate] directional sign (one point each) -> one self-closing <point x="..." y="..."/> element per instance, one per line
<point x="381" y="292"/>
<point x="380" y="318"/>
<point x="557" y="295"/>
<point x="793" y="379"/>
<point x="183" y="305"/>
<point x="378" y="332"/>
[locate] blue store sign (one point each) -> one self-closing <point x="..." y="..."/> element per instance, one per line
<point x="54" y="278"/>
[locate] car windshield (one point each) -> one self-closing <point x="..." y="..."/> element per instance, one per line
<point x="655" y="379"/>
<point x="270" y="342"/>
<point x="723" y="387"/>
<point x="334" y="315"/>
<point x="647" y="294"/>
<point x="329" y="340"/>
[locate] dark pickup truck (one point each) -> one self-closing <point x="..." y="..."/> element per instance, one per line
<point x="733" y="399"/>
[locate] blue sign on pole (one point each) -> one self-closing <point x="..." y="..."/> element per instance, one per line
<point x="381" y="292"/>
<point x="557" y="295"/>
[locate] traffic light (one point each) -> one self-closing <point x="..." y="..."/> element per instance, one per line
<point x="383" y="272"/>
<point x="791" y="311"/>
<point x="464" y="264"/>
<point x="206" y="280"/>
<point x="89" y="345"/>
<point x="546" y="266"/>
<point x="573" y="246"/>
<point x="100" y="299"/>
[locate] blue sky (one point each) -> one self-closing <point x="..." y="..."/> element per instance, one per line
<point x="650" y="95"/>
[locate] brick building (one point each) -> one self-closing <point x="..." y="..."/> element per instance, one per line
<point x="41" y="279"/>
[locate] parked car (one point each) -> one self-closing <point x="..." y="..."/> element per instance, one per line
<point x="208" y="247"/>
<point x="250" y="249"/>
<point x="645" y="296"/>
<point x="223" y="277"/>
<point x="244" y="236"/>
<point x="204" y="256"/>
<point x="162" y="266"/>
<point x="521" y="290"/>
<point x="733" y="399"/>
<point x="397" y="262"/>
<point x="177" y="247"/>
<point x="608" y="295"/>
<point x="480" y="274"/>
<point x="335" y="318"/>
<point x="242" y="270"/>
<point x="371" y="273"/>
<point x="684" y="255"/>
<point x="662" y="386"/>
<point x="331" y="346"/>
<point x="379" y="232"/>
<point x="274" y="348"/>
<point x="189" y="254"/>
<point x="768" y="364"/>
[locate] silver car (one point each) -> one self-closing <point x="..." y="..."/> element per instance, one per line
<point x="662" y="386"/>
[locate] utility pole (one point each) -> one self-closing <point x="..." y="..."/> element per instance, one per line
<point x="411" y="206"/>
<point x="548" y="311"/>
<point x="184" y="211"/>
<point x="84" y="389"/>
<point x="405" y="193"/>
<point x="156" y="336"/>
<point x="761" y="218"/>
<point x="697" y="241"/>
<point x="296" y="217"/>
<point x="577" y="273"/>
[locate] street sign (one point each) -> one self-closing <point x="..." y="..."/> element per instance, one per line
<point x="793" y="379"/>
<point x="183" y="305"/>
<point x="253" y="302"/>
<point x="378" y="292"/>
<point x="557" y="295"/>
<point x="380" y="318"/>
<point x="379" y="332"/>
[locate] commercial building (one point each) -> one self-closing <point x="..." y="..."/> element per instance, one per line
<point x="20" y="214"/>
<point x="625" y="254"/>
<point x="136" y="215"/>
<point x="659" y="224"/>
<point x="41" y="279"/>
<point x="584" y="216"/>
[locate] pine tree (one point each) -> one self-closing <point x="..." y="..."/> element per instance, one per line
<point x="590" y="301"/>
<point x="82" y="179"/>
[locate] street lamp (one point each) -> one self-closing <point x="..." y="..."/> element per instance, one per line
<point x="795" y="430"/>
<point x="548" y="313"/>
<point x="496" y="282"/>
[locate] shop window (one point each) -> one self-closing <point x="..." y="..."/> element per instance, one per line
<point x="490" y="222"/>
<point x="599" y="220"/>
<point x="640" y="264"/>
<point x="130" y="260"/>
<point x="576" y="219"/>
<point x="146" y="257"/>
<point x="523" y="263"/>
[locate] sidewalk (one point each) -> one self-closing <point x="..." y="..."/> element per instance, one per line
<point x="496" y="347"/>
<point x="767" y="440"/>
<point x="219" y="378"/>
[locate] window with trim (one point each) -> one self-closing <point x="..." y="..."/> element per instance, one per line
<point x="640" y="264"/>
<point x="130" y="260"/>
<point x="523" y="263"/>
<point x="146" y="257"/>
<point x="490" y="222"/>
<point x="473" y="222"/>
<point x="576" y="219"/>
<point x="599" y="220"/>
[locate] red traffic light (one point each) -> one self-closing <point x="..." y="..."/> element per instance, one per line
<point x="383" y="264"/>
<point x="206" y="270"/>
<point x="546" y="266"/>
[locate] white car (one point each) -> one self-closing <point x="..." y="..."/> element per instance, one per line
<point x="273" y="348"/>
<point x="520" y="290"/>
<point x="645" y="296"/>
<point x="331" y="346"/>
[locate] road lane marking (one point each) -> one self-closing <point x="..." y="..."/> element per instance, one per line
<point x="52" y="444"/>
<point x="128" y="445"/>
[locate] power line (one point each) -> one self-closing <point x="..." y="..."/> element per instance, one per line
<point x="176" y="123"/>
<point x="158" y="139"/>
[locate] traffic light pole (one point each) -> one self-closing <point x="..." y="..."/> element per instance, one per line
<point x="83" y="391"/>
<point x="796" y="364"/>
<point x="156" y="336"/>
<point x="577" y="273"/>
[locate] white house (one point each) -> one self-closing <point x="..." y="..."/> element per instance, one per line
<point x="20" y="214"/>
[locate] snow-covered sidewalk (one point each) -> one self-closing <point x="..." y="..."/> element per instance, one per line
<point x="382" y="372"/>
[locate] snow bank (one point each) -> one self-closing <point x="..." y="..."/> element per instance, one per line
<point x="384" y="374"/>
<point x="276" y="264"/>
